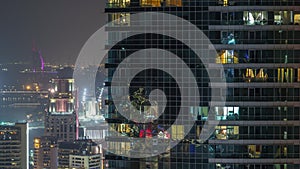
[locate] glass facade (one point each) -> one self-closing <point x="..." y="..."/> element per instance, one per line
<point x="258" y="43"/>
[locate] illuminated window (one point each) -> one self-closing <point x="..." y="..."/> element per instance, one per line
<point x="227" y="56"/>
<point x="251" y="75"/>
<point x="228" y="38"/>
<point x="227" y="132"/>
<point x="120" y="19"/>
<point x="177" y="132"/>
<point x="158" y="3"/>
<point x="255" y="17"/>
<point x="261" y="75"/>
<point x="61" y="105"/>
<point x="200" y="113"/>
<point x="152" y="3"/>
<point x="227" y="113"/>
<point x="174" y="2"/>
<point x="254" y="151"/>
<point x="118" y="3"/>
<point x="285" y="75"/>
<point x="225" y="2"/>
<point x="283" y="17"/>
<point x="297" y="19"/>
<point x="36" y="143"/>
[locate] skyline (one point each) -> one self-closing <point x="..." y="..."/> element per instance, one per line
<point x="59" y="28"/>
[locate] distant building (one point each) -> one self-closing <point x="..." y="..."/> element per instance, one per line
<point x="14" y="145"/>
<point x="85" y="161"/>
<point x="61" y="120"/>
<point x="79" y="154"/>
<point x="45" y="152"/>
<point x="22" y="98"/>
<point x="61" y="125"/>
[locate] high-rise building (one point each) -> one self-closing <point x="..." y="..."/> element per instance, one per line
<point x="14" y="145"/>
<point x="61" y="123"/>
<point x="61" y="119"/>
<point x="257" y="42"/>
<point x="45" y="152"/>
<point x="79" y="154"/>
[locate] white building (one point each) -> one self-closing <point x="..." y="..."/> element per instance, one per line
<point x="85" y="161"/>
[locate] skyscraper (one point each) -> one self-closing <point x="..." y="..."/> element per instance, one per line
<point x="14" y="145"/>
<point x="61" y="124"/>
<point x="258" y="46"/>
<point x="61" y="119"/>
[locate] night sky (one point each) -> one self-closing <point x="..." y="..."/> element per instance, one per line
<point x="58" y="27"/>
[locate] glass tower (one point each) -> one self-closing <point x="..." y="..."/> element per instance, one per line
<point x="258" y="44"/>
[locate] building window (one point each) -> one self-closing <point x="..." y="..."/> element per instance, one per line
<point x="173" y="2"/>
<point x="159" y="3"/>
<point x="227" y="132"/>
<point x="227" y="113"/>
<point x="120" y="19"/>
<point x="227" y="56"/>
<point x="118" y="3"/>
<point x="255" y="75"/>
<point x="254" y="151"/>
<point x="228" y="38"/>
<point x="283" y="17"/>
<point x="285" y="75"/>
<point x="297" y="19"/>
<point x="61" y="105"/>
<point x="255" y="17"/>
<point x="150" y="3"/>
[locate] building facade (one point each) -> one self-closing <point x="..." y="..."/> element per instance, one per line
<point x="45" y="152"/>
<point x="14" y="145"/>
<point x="258" y="45"/>
<point x="61" y="119"/>
<point x="79" y="154"/>
<point x="61" y="124"/>
<point x="85" y="161"/>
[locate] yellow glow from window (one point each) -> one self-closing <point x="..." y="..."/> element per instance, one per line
<point x="152" y="3"/>
<point x="286" y="75"/>
<point x="227" y="57"/>
<point x="36" y="143"/>
<point x="28" y="87"/>
<point x="177" y="132"/>
<point x="297" y="18"/>
<point x="174" y="2"/>
<point x="225" y="2"/>
<point x="36" y="140"/>
<point x="119" y="3"/>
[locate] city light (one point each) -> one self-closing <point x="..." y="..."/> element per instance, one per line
<point x="28" y="87"/>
